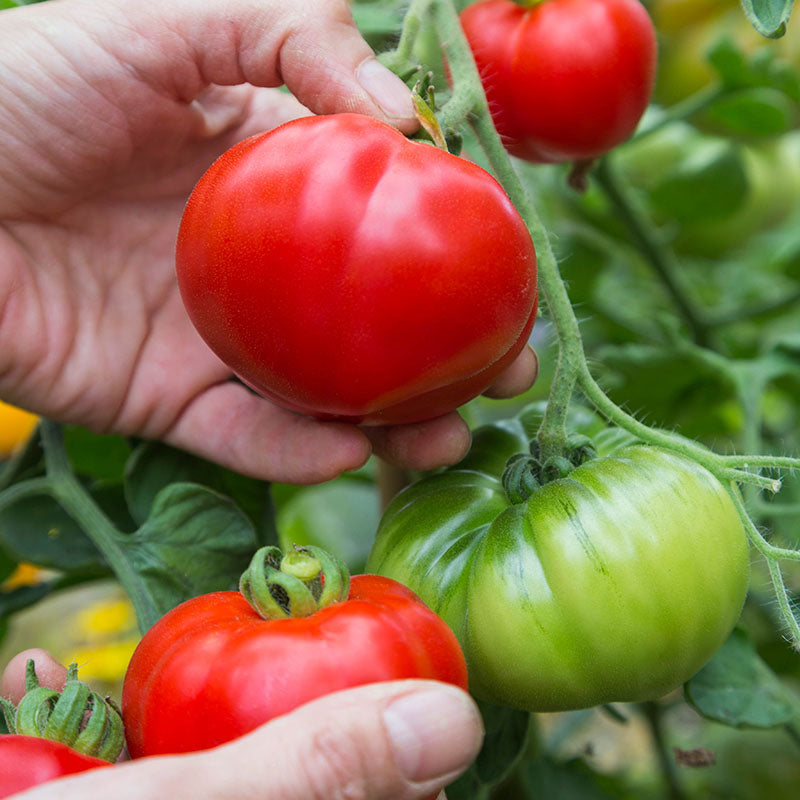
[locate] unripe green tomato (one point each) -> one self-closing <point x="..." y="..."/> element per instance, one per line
<point x="616" y="583"/>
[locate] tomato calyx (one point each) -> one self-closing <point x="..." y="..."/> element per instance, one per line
<point x="76" y="716"/>
<point x="524" y="473"/>
<point x="297" y="584"/>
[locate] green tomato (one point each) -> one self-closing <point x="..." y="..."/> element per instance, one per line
<point x="616" y="583"/>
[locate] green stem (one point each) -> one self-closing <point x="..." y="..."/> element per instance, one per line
<point x="686" y="109"/>
<point x="655" y="718"/>
<point x="660" y="258"/>
<point x="62" y="485"/>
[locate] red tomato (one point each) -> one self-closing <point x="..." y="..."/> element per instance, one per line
<point x="566" y="80"/>
<point x="27" y="761"/>
<point x="212" y="669"/>
<point x="346" y="272"/>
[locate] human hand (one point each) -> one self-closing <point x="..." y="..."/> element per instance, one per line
<point x="386" y="741"/>
<point x="110" y="112"/>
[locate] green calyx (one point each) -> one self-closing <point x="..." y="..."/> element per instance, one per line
<point x="297" y="584"/>
<point x="524" y="474"/>
<point x="76" y="716"/>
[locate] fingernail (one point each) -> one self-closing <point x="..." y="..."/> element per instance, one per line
<point x="433" y="732"/>
<point x="385" y="88"/>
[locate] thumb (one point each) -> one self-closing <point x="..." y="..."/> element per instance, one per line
<point x="390" y="740"/>
<point x="401" y="740"/>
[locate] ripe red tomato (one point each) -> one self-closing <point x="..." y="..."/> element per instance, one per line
<point x="346" y="272"/>
<point x="212" y="669"/>
<point x="566" y="80"/>
<point x="27" y="761"/>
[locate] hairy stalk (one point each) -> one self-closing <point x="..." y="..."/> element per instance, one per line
<point x="62" y="485"/>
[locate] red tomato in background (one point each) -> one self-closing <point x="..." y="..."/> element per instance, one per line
<point x="346" y="272"/>
<point x="27" y="761"/>
<point x="212" y="669"/>
<point x="566" y="80"/>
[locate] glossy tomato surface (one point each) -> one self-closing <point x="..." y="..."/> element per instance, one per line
<point x="27" y="761"/>
<point x="615" y="583"/>
<point x="346" y="272"/>
<point x="212" y="669"/>
<point x="566" y="80"/>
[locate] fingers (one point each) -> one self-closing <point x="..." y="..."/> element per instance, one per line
<point x="422" y="445"/>
<point x="49" y="672"/>
<point x="518" y="378"/>
<point x="446" y="440"/>
<point x="387" y="741"/>
<point x="230" y="425"/>
<point x="313" y="47"/>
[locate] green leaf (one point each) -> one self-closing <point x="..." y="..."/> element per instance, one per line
<point x="768" y="17"/>
<point x="7" y="565"/>
<point x="738" y="689"/>
<point x="193" y="542"/>
<point x="38" y="530"/>
<point x="340" y="516"/>
<point x="468" y="787"/>
<point x="505" y="740"/>
<point x="754" y="112"/>
<point x="710" y="184"/>
<point x="153" y="466"/>
<point x="96" y="456"/>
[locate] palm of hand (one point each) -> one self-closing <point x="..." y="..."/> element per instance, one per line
<point x="95" y="322"/>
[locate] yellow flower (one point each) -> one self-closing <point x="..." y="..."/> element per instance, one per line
<point x="16" y="426"/>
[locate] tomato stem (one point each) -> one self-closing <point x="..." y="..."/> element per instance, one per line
<point x="297" y="584"/>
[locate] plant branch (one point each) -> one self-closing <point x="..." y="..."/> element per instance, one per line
<point x="660" y="258"/>
<point x="62" y="485"/>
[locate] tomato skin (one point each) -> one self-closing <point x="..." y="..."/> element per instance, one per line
<point x="212" y="669"/>
<point x="616" y="583"/>
<point x="566" y="80"/>
<point x="27" y="761"/>
<point x="346" y="272"/>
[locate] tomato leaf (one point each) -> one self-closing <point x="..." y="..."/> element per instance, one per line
<point x="96" y="456"/>
<point x="468" y="787"/>
<point x="194" y="541"/>
<point x="709" y="185"/>
<point x="768" y="17"/>
<point x="738" y="689"/>
<point x="154" y="466"/>
<point x="755" y="112"/>
<point x="506" y="737"/>
<point x="38" y="530"/>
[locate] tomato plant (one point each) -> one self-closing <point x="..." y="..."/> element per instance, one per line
<point x="616" y="582"/>
<point x="338" y="269"/>
<point x="221" y="664"/>
<point x="566" y="80"/>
